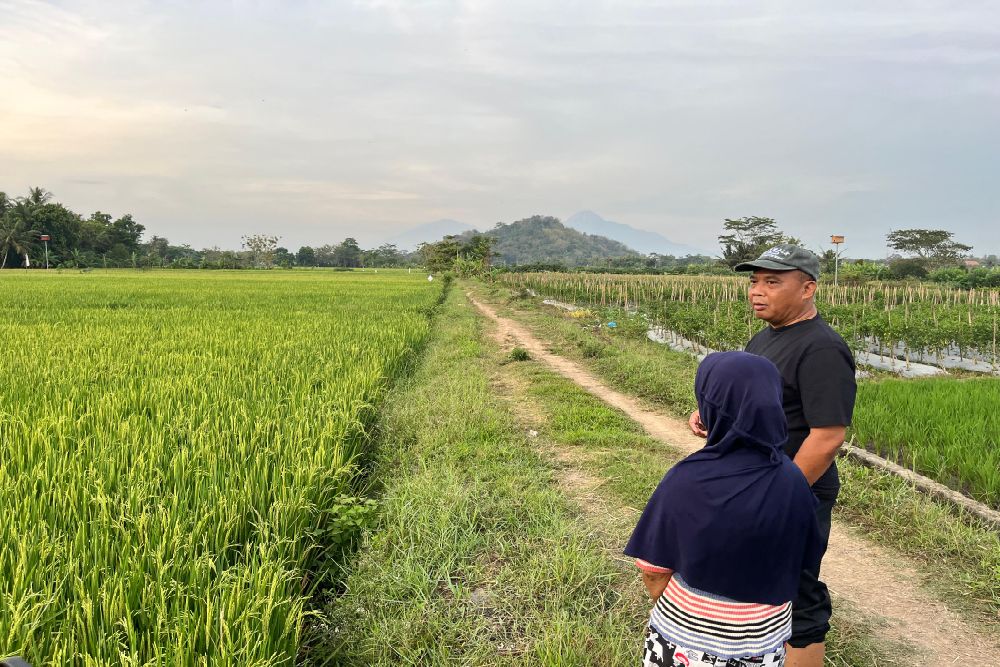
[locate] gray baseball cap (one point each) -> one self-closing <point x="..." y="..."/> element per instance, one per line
<point x="784" y="257"/>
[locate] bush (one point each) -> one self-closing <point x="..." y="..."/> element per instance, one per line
<point x="908" y="268"/>
<point x="519" y="354"/>
<point x="977" y="278"/>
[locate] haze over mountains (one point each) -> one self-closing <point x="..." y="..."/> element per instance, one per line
<point x="640" y="240"/>
<point x="588" y="222"/>
<point x="428" y="232"/>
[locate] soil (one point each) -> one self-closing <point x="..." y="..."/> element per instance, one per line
<point x="881" y="584"/>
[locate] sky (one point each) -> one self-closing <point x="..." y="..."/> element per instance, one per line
<point x="320" y="120"/>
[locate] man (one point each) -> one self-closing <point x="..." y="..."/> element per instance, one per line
<point x="817" y="371"/>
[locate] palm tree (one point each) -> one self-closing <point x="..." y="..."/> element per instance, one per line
<point x="15" y="230"/>
<point x="38" y="196"/>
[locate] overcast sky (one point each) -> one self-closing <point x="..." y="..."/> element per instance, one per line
<point x="320" y="120"/>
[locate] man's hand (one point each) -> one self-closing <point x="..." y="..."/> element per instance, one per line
<point x="819" y="450"/>
<point x="697" y="427"/>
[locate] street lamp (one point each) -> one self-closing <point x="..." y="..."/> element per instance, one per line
<point x="45" y="239"/>
<point x="836" y="240"/>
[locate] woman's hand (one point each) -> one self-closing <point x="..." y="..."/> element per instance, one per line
<point x="697" y="427"/>
<point x="656" y="582"/>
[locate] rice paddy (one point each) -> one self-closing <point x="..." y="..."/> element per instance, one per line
<point x="178" y="451"/>
<point x="944" y="428"/>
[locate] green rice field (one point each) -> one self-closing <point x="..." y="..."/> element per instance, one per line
<point x="177" y="450"/>
<point x="945" y="428"/>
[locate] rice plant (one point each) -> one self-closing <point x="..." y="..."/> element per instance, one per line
<point x="177" y="452"/>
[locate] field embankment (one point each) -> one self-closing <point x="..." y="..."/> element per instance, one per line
<point x="476" y="557"/>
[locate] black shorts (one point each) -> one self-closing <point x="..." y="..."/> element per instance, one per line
<point x="811" y="609"/>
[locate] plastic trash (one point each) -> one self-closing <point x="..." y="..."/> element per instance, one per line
<point x="14" y="661"/>
<point x="612" y="325"/>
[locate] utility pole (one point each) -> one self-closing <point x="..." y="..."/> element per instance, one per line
<point x="836" y="240"/>
<point x="45" y="239"/>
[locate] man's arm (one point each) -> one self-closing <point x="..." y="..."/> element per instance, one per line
<point x="819" y="450"/>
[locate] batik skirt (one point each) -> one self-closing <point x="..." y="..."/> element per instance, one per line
<point x="662" y="653"/>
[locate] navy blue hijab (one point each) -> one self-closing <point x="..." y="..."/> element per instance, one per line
<point x="737" y="517"/>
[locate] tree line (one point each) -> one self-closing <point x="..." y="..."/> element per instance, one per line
<point x="918" y="253"/>
<point x="102" y="241"/>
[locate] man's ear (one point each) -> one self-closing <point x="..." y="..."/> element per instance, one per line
<point x="809" y="288"/>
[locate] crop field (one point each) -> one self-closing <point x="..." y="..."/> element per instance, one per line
<point x="948" y="429"/>
<point x="921" y="321"/>
<point x="942" y="427"/>
<point x="178" y="454"/>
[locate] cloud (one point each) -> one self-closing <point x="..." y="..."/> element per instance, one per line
<point x="314" y="119"/>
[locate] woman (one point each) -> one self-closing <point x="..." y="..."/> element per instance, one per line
<point x="727" y="532"/>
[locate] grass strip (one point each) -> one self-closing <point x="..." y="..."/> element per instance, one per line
<point x="475" y="557"/>
<point x="960" y="556"/>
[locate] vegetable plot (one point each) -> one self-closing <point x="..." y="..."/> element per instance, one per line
<point x="943" y="327"/>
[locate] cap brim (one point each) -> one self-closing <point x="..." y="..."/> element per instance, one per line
<point x="764" y="264"/>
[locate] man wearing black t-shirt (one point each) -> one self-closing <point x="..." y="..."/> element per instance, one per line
<point x="817" y="369"/>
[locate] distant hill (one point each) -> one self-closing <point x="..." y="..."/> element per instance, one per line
<point x="429" y="232"/>
<point x="541" y="239"/>
<point x="640" y="239"/>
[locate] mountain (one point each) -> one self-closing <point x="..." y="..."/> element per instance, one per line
<point x="543" y="239"/>
<point x="643" y="241"/>
<point x="431" y="231"/>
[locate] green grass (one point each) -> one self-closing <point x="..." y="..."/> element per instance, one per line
<point x="944" y="428"/>
<point x="476" y="558"/>
<point x="960" y="555"/>
<point x="177" y="454"/>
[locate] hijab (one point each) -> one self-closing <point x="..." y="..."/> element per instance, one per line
<point x="736" y="518"/>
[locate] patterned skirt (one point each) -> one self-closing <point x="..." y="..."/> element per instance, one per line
<point x="662" y="653"/>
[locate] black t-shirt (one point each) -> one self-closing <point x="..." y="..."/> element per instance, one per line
<point x="817" y="370"/>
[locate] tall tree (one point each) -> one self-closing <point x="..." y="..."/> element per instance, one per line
<point x="126" y="231"/>
<point x="480" y="249"/>
<point x="931" y="246"/>
<point x="347" y="254"/>
<point x="440" y="256"/>
<point x="306" y="256"/>
<point x="748" y="237"/>
<point x="15" y="231"/>
<point x="262" y="248"/>
<point x="39" y="196"/>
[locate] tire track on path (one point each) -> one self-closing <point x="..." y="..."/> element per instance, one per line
<point x="882" y="584"/>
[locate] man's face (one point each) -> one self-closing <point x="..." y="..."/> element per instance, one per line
<point x="778" y="297"/>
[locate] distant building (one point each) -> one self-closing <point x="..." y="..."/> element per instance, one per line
<point x="972" y="263"/>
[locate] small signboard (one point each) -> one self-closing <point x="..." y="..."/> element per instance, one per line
<point x="45" y="237"/>
<point x="836" y="239"/>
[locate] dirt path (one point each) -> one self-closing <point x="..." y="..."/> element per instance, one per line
<point x="880" y="584"/>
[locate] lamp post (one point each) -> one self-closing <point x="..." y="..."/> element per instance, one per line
<point x="836" y="240"/>
<point x="45" y="239"/>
